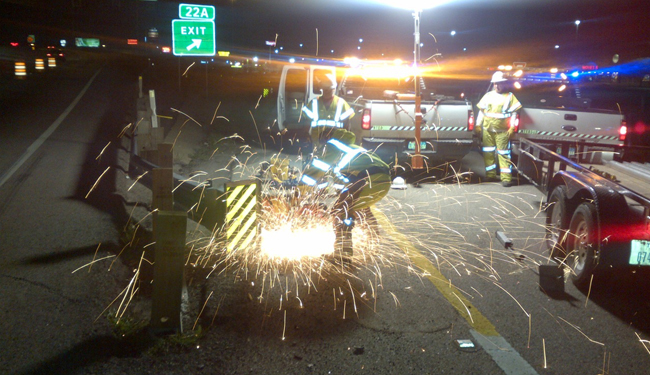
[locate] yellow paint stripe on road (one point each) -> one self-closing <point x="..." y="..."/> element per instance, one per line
<point x="464" y="307"/>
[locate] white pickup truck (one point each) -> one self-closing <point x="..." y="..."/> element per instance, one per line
<point x="554" y="111"/>
<point x="385" y="117"/>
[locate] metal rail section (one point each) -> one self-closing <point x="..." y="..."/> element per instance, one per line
<point x="207" y="201"/>
<point x="539" y="165"/>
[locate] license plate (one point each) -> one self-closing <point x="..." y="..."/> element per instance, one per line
<point x="640" y="253"/>
<point x="411" y="145"/>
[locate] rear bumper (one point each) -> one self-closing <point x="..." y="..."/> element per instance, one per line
<point x="436" y="149"/>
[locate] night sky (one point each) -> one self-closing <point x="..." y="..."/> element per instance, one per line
<point x="486" y="31"/>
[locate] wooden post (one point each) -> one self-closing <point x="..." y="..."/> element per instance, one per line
<point x="168" y="272"/>
<point x="161" y="187"/>
<point x="165" y="155"/>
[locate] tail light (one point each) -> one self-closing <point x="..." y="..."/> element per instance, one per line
<point x="365" y="119"/>
<point x="622" y="131"/>
<point x="514" y="123"/>
<point x="470" y="120"/>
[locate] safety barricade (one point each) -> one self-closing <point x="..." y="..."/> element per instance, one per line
<point x="241" y="221"/>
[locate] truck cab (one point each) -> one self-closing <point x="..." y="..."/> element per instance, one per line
<point x="298" y="86"/>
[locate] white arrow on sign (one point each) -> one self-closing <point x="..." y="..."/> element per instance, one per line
<point x="195" y="43"/>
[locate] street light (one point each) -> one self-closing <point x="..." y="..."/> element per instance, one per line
<point x="417" y="6"/>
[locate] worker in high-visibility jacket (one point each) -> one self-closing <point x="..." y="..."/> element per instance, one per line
<point x="497" y="119"/>
<point x="327" y="112"/>
<point x="358" y="176"/>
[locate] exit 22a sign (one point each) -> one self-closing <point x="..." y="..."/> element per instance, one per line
<point x="195" y="11"/>
<point x="193" y="37"/>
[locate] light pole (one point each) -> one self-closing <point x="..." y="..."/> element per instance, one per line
<point x="417" y="6"/>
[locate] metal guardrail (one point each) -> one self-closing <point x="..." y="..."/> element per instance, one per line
<point x="203" y="201"/>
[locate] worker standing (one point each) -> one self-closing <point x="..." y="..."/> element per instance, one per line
<point x="327" y="112"/>
<point x="357" y="175"/>
<point x="497" y="119"/>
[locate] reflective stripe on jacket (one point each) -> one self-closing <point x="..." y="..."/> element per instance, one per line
<point x="332" y="116"/>
<point x="496" y="109"/>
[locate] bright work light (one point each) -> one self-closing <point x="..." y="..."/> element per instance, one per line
<point x="413" y="4"/>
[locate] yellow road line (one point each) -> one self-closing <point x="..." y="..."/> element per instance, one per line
<point x="464" y="307"/>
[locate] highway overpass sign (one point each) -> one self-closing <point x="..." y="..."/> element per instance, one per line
<point x="193" y="37"/>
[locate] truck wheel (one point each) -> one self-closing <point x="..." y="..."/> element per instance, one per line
<point x="557" y="222"/>
<point x="581" y="243"/>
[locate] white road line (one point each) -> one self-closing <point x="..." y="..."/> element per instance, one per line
<point x="504" y="355"/>
<point x="31" y="149"/>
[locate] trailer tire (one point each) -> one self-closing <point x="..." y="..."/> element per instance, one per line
<point x="581" y="243"/>
<point x="557" y="222"/>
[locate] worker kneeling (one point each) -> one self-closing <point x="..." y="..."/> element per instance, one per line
<point x="359" y="178"/>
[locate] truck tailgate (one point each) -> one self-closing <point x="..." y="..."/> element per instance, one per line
<point x="590" y="126"/>
<point x="395" y="120"/>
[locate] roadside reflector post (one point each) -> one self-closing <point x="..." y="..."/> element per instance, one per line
<point x="39" y="65"/>
<point x="168" y="272"/>
<point x="20" y="69"/>
<point x="152" y="106"/>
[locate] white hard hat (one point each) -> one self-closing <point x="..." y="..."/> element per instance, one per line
<point x="398" y="183"/>
<point x="328" y="81"/>
<point x="498" y="77"/>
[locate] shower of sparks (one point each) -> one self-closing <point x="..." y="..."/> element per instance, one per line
<point x="579" y="330"/>
<point x="136" y="180"/>
<point x="102" y="151"/>
<point x="295" y="252"/>
<point x="188" y="68"/>
<point x="645" y="343"/>
<point x="186" y="115"/>
<point x="96" y="182"/>
<point x="215" y="113"/>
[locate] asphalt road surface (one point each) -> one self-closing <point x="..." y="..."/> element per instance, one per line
<point x="438" y="275"/>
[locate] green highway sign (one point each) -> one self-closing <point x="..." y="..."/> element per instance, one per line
<point x="194" y="11"/>
<point x="193" y="38"/>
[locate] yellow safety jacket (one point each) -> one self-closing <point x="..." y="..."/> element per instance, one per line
<point x="496" y="111"/>
<point x="341" y="165"/>
<point x="325" y="118"/>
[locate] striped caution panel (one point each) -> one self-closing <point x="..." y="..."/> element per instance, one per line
<point x="424" y="127"/>
<point x="241" y="215"/>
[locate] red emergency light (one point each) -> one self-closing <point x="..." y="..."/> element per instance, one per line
<point x="132" y="41"/>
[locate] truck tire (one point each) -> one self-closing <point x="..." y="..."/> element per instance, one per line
<point x="581" y="243"/>
<point x="557" y="222"/>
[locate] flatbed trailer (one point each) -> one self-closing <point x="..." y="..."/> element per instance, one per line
<point x="597" y="214"/>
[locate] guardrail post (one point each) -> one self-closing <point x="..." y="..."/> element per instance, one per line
<point x="166" y="155"/>
<point x="161" y="189"/>
<point x="168" y="272"/>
